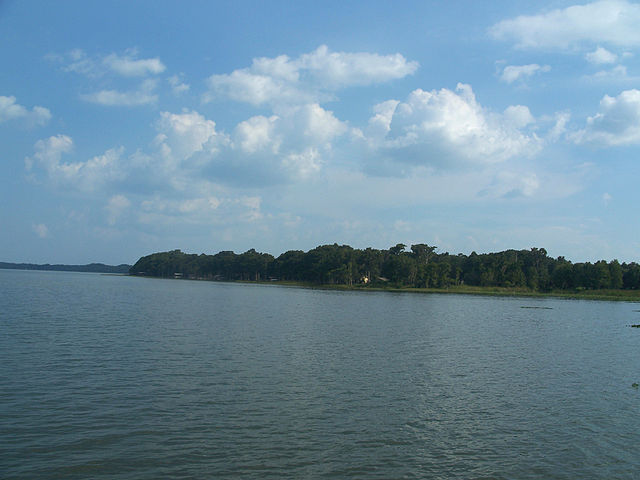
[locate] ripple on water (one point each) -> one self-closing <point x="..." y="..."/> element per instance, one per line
<point x="119" y="378"/>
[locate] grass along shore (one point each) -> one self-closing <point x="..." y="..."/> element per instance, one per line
<point x="608" y="295"/>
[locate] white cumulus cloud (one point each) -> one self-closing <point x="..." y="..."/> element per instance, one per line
<point x="10" y="110"/>
<point x="613" y="22"/>
<point x="343" y="69"/>
<point x="182" y="135"/>
<point x="518" y="115"/>
<point x="258" y="133"/>
<point x="294" y="143"/>
<point x="601" y="56"/>
<point x="439" y="126"/>
<point x="309" y="78"/>
<point x="616" y="123"/>
<point x="49" y="152"/>
<point x="85" y="175"/>
<point x="303" y="164"/>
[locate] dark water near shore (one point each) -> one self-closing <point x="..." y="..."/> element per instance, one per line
<point x="109" y="377"/>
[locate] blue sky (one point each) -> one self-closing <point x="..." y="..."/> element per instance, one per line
<point x="134" y="127"/>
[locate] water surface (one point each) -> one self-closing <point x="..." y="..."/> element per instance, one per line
<point x="112" y="377"/>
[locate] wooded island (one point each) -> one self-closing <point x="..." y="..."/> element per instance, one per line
<point x="418" y="267"/>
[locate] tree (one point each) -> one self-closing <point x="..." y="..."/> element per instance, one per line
<point x="631" y="276"/>
<point x="615" y="273"/>
<point x="398" y="249"/>
<point x="423" y="252"/>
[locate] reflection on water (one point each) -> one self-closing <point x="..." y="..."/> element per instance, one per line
<point x="120" y="377"/>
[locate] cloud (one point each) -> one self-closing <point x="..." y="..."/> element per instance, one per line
<point x="187" y="147"/>
<point x="340" y="69"/>
<point x="310" y="124"/>
<point x="77" y="61"/>
<point x="443" y="127"/>
<point x="303" y="164"/>
<point x="204" y="210"/>
<point x="128" y="65"/>
<point x="40" y="230"/>
<point x="291" y="145"/>
<point x="185" y="134"/>
<point x="258" y="134"/>
<point x="616" y="123"/>
<point x="86" y="175"/>
<point x="560" y="125"/>
<point x="49" y="152"/>
<point x="178" y="86"/>
<point x="114" y="98"/>
<point x="260" y="150"/>
<point x="109" y="68"/>
<point x="619" y="72"/>
<point x="310" y="78"/>
<point x="518" y="115"/>
<point x="244" y="86"/>
<point x="345" y="193"/>
<point x="611" y="22"/>
<point x="512" y="73"/>
<point x="517" y="184"/>
<point x="116" y="206"/>
<point x="601" y="56"/>
<point x="10" y="110"/>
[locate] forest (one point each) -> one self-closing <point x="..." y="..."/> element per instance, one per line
<point x="419" y="266"/>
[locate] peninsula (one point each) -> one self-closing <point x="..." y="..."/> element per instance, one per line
<point x="418" y="268"/>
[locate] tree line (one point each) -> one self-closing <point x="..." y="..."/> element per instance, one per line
<point x="420" y="266"/>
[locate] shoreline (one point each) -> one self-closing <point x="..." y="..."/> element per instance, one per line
<point x="632" y="296"/>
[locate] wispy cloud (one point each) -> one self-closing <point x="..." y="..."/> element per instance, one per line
<point x="92" y="66"/>
<point x="40" y="229"/>
<point x="178" y="86"/>
<point x="144" y="95"/>
<point x="129" y="66"/>
<point x="512" y="73"/>
<point x="116" y="206"/>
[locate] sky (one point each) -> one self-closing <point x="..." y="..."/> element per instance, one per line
<point x="128" y="128"/>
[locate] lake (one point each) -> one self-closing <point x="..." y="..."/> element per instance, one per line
<point x="115" y="377"/>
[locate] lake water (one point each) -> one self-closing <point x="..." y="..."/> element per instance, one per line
<point x="109" y="377"/>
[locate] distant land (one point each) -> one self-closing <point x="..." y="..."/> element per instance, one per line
<point x="418" y="268"/>
<point x="91" y="267"/>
